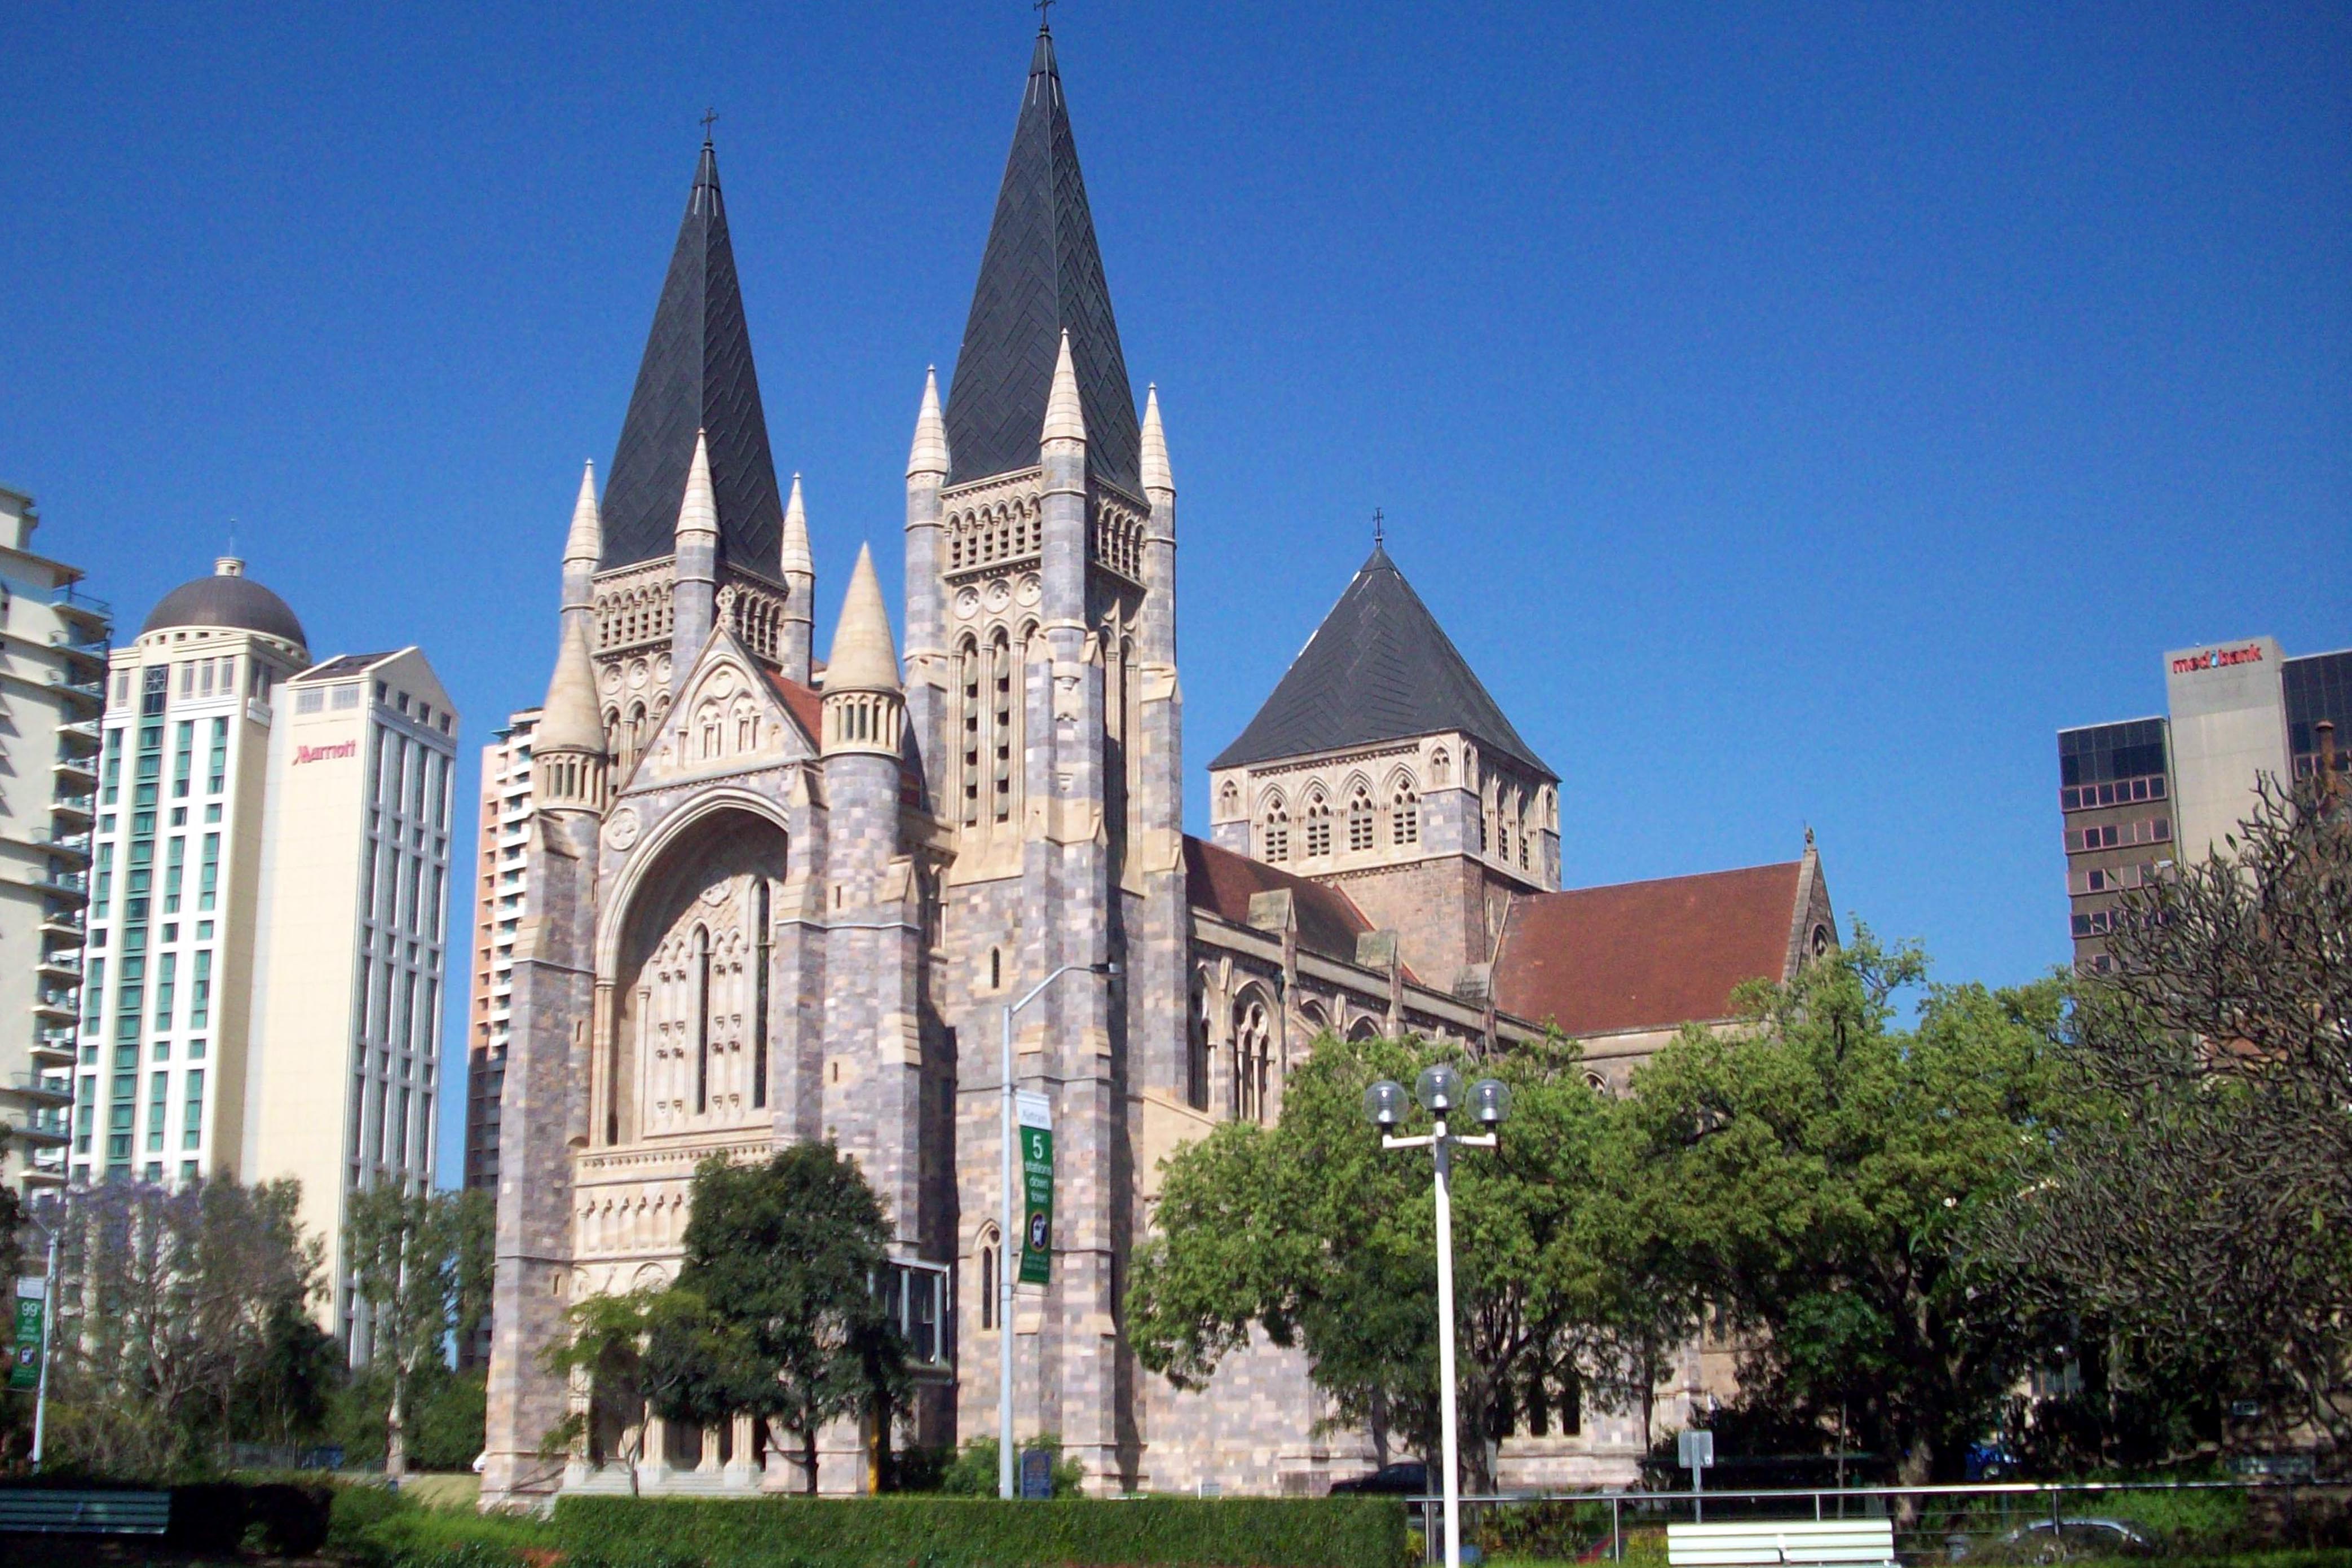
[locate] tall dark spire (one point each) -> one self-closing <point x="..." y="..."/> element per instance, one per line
<point x="1040" y="276"/>
<point x="697" y="375"/>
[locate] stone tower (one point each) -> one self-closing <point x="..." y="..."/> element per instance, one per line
<point x="1043" y="707"/>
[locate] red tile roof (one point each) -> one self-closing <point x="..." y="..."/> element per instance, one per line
<point x="804" y="703"/>
<point x="1222" y="882"/>
<point x="1647" y="954"/>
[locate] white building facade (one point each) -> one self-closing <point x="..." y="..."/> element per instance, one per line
<point x="53" y="647"/>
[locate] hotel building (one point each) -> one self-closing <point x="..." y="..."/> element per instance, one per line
<point x="344" y="1061"/>
<point x="2140" y="794"/>
<point x="267" y="909"/>
<point x="53" y="643"/>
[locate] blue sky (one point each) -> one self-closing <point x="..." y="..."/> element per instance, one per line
<point x="1795" y="412"/>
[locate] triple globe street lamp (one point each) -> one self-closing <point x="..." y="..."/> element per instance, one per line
<point x="1439" y="1090"/>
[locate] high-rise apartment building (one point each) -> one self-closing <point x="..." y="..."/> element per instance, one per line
<point x="345" y="1063"/>
<point x="267" y="908"/>
<point x="504" y="836"/>
<point x="2140" y="794"/>
<point x="53" y="644"/>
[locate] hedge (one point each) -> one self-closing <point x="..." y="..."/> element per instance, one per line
<point x="966" y="1533"/>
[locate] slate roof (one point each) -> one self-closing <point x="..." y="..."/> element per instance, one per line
<point x="1379" y="668"/>
<point x="1221" y="883"/>
<point x="1647" y="954"/>
<point x="1041" y="274"/>
<point x="697" y="375"/>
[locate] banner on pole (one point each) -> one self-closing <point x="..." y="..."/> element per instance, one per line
<point x="24" y="1356"/>
<point x="1035" y="1114"/>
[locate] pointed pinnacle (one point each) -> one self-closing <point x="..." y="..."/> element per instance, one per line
<point x="570" y="721"/>
<point x="863" y="657"/>
<point x="586" y="540"/>
<point x="930" y="451"/>
<point x="794" y="557"/>
<point x="699" y="512"/>
<point x="1154" y="472"/>
<point x="1065" y="420"/>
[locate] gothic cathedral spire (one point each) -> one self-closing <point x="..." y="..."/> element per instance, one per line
<point x="1040" y="276"/>
<point x="697" y="376"/>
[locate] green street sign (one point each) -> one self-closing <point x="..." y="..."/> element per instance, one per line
<point x="24" y="1358"/>
<point x="1036" y="1117"/>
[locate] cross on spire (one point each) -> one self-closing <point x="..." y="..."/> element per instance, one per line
<point x="709" y="118"/>
<point x="1377" y="520"/>
<point x="1045" y="10"/>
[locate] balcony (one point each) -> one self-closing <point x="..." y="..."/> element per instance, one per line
<point x="82" y="609"/>
<point x="74" y="841"/>
<point x="44" y="1128"/>
<point x="57" y="1004"/>
<point x="92" y="692"/>
<point x="81" y="729"/>
<point x="66" y="922"/>
<point x="80" y="644"/>
<point x="62" y="964"/>
<point x="53" y="1046"/>
<point x="73" y="883"/>
<point x="74" y="769"/>
<point x="80" y="806"/>
<point x="40" y="1089"/>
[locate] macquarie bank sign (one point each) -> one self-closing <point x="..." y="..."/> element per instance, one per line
<point x="2217" y="659"/>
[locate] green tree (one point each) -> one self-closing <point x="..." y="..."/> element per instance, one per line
<point x="421" y="1263"/>
<point x="2206" y="1226"/>
<point x="1816" y="1169"/>
<point x="776" y="1313"/>
<point x="172" y="1304"/>
<point x="1313" y="1234"/>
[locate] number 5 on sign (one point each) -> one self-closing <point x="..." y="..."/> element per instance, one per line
<point x="1036" y="1118"/>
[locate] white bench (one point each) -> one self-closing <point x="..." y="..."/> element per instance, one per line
<point x="36" y="1512"/>
<point x="1777" y="1540"/>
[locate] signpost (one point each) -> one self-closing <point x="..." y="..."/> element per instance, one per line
<point x="1036" y="1475"/>
<point x="1036" y="1116"/>
<point x="24" y="1356"/>
<point x="1696" y="1451"/>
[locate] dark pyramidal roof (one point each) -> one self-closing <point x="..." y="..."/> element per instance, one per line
<point x="1041" y="274"/>
<point x="1379" y="668"/>
<point x="697" y="375"/>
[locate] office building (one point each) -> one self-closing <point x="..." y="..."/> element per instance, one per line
<point x="2139" y="795"/>
<point x="345" y="1063"/>
<point x="503" y="832"/>
<point x="53" y="641"/>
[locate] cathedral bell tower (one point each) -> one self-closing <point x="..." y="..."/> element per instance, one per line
<point x="1042" y="707"/>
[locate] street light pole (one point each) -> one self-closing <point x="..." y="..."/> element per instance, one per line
<point x="48" y="1327"/>
<point x="1439" y="1089"/>
<point x="1005" y="1232"/>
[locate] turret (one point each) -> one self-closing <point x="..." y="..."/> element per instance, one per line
<point x="1159" y="615"/>
<point x="1062" y="447"/>
<point x="797" y="567"/>
<point x="695" y="586"/>
<point x="863" y="699"/>
<point x="583" y="548"/>
<point x="927" y="653"/>
<point x="567" y="748"/>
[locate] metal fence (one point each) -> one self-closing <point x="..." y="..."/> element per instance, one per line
<point x="1991" y="1523"/>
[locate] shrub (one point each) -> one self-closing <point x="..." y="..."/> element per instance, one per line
<point x="953" y="1533"/>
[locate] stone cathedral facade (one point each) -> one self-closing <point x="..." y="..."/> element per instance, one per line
<point x="770" y="899"/>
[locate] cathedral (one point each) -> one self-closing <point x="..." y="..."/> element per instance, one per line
<point x="770" y="898"/>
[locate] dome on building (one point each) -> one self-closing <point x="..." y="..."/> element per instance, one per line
<point x="228" y="598"/>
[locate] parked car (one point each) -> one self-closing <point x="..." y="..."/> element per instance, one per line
<point x="1407" y="1477"/>
<point x="2058" y="1541"/>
